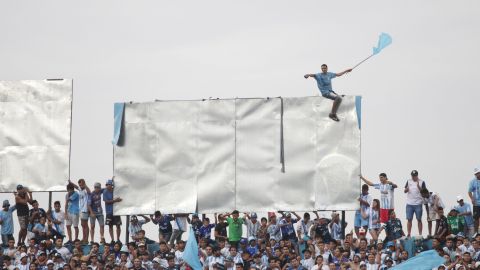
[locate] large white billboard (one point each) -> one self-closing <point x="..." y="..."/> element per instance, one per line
<point x="35" y="124"/>
<point x="256" y="154"/>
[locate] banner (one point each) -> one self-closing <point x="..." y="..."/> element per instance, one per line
<point x="256" y="154"/>
<point x="35" y="125"/>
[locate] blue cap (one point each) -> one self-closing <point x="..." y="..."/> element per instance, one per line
<point x="243" y="241"/>
<point x="253" y="215"/>
<point x="109" y="182"/>
<point x="390" y="244"/>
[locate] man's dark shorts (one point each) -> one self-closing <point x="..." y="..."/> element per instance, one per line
<point x="113" y="220"/>
<point x="476" y="212"/>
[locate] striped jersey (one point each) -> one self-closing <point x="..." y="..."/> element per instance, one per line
<point x="386" y="195"/>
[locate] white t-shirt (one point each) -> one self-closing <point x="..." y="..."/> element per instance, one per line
<point x="60" y="216"/>
<point x="180" y="223"/>
<point x="323" y="267"/>
<point x="413" y="194"/>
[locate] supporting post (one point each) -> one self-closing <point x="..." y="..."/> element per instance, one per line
<point x="127" y="234"/>
<point x="343" y="225"/>
<point x="49" y="201"/>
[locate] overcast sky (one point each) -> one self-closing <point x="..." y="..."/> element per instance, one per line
<point x="420" y="95"/>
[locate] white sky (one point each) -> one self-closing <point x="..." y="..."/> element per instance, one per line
<point x="420" y="95"/>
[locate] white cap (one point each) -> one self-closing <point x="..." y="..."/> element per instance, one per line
<point x="459" y="198"/>
<point x="49" y="262"/>
<point x="157" y="260"/>
<point x="476" y="170"/>
<point x="23" y="255"/>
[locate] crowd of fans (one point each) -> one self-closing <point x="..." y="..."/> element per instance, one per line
<point x="281" y="240"/>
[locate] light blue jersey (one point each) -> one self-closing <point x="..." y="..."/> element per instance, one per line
<point x="464" y="209"/>
<point x="7" y="221"/>
<point x="324" y="81"/>
<point x="474" y="188"/>
<point x="73" y="200"/>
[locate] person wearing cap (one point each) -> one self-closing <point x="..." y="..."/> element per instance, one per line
<point x="73" y="211"/>
<point x="95" y="211"/>
<point x="6" y="221"/>
<point x="109" y="202"/>
<point x="50" y="265"/>
<point x="465" y="210"/>
<point x="156" y="264"/>
<point x="252" y="223"/>
<point x="24" y="264"/>
<point x="474" y="195"/>
<point x="136" y="226"/>
<point x="22" y="198"/>
<point x="414" y="201"/>
<point x="386" y="188"/>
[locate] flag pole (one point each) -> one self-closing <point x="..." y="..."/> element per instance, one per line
<point x="362" y="61"/>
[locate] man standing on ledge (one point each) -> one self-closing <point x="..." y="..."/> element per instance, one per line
<point x="324" y="82"/>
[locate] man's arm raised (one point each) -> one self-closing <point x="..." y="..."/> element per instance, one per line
<point x="343" y="72"/>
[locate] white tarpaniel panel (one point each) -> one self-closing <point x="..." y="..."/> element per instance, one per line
<point x="338" y="157"/>
<point x="300" y="137"/>
<point x="257" y="154"/>
<point x="219" y="155"/>
<point x="216" y="156"/>
<point x="35" y="122"/>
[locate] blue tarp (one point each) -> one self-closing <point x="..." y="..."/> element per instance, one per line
<point x="358" y="107"/>
<point x="118" y="120"/>
<point x="424" y="261"/>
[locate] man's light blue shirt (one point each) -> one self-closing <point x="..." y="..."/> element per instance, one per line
<point x="324" y="81"/>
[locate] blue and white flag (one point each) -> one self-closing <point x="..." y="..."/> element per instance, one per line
<point x="383" y="41"/>
<point x="190" y="255"/>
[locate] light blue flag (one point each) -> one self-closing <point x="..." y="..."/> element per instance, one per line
<point x="424" y="261"/>
<point x="190" y="255"/>
<point x="118" y="120"/>
<point x="383" y="41"/>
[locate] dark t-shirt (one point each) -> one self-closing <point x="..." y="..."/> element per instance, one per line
<point x="41" y="213"/>
<point x="393" y="229"/>
<point x="221" y="229"/>
<point x="322" y="231"/>
<point x="442" y="224"/>
<point x="164" y="224"/>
